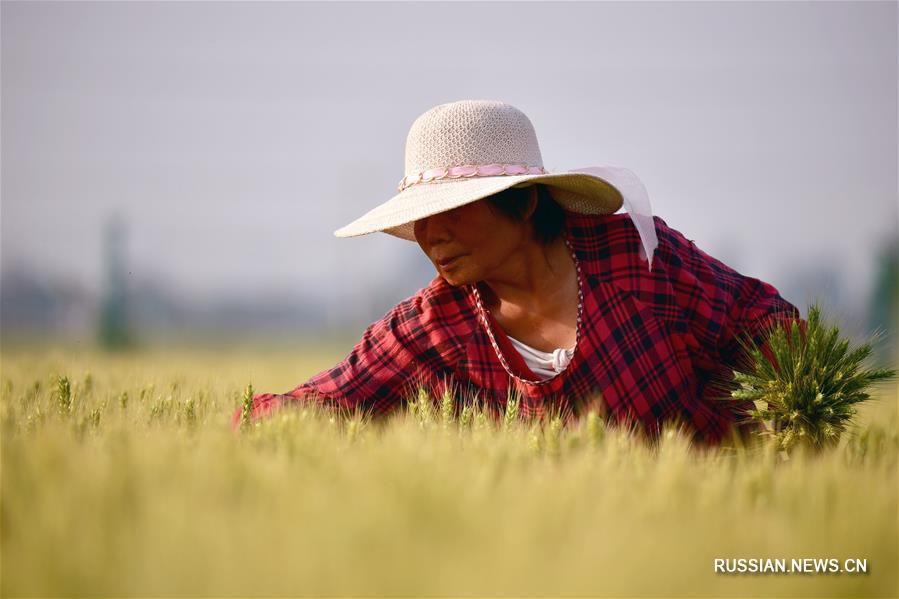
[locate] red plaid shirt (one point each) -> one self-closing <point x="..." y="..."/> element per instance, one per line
<point x="652" y="345"/>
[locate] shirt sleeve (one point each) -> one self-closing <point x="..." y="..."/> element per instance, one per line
<point x="722" y="305"/>
<point x="375" y="376"/>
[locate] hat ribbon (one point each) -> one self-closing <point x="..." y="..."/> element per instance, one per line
<point x="469" y="170"/>
<point x="636" y="203"/>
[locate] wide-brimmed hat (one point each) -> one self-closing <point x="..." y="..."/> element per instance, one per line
<point x="461" y="152"/>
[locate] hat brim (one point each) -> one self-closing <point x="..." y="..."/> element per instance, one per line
<point x="578" y="192"/>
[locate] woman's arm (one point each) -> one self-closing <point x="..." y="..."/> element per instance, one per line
<point x="374" y="376"/>
<point x="721" y="307"/>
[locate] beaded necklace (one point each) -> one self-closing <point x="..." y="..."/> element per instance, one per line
<point x="482" y="313"/>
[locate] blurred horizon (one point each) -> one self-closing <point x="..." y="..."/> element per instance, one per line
<point x="225" y="142"/>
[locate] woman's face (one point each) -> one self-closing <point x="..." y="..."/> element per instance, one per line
<point x="470" y="243"/>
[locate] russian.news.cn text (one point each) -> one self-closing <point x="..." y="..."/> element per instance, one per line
<point x="807" y="565"/>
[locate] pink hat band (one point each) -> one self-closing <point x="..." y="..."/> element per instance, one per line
<point x="469" y="170"/>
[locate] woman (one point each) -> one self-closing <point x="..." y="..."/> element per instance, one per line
<point x="542" y="290"/>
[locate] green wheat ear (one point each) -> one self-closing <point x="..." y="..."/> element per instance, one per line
<point x="465" y="417"/>
<point x="63" y="393"/>
<point x="247" y="407"/>
<point x="412" y="407"/>
<point x="481" y="423"/>
<point x="512" y="402"/>
<point x="553" y="435"/>
<point x="190" y="411"/>
<point x="425" y="408"/>
<point x="596" y="429"/>
<point x="446" y="408"/>
<point x="810" y="390"/>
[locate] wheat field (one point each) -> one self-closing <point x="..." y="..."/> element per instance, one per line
<point x="135" y="485"/>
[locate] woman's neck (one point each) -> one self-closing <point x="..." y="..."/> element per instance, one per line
<point x="533" y="279"/>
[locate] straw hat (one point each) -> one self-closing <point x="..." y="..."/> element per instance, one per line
<point x="464" y="151"/>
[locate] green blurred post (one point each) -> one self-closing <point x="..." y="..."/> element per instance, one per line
<point x="114" y="332"/>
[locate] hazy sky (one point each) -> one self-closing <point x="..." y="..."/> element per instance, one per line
<point x="236" y="137"/>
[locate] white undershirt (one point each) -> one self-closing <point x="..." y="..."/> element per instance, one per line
<point x="543" y="364"/>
